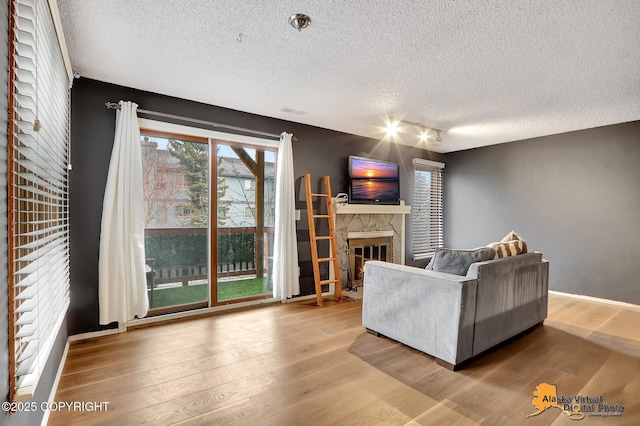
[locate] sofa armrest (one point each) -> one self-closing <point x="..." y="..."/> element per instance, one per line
<point x="430" y="311"/>
<point x="511" y="297"/>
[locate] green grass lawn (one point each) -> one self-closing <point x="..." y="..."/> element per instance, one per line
<point x="227" y="290"/>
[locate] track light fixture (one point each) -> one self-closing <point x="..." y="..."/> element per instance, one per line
<point x="424" y="130"/>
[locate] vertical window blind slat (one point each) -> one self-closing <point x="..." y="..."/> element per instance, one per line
<point x="39" y="238"/>
<point x="426" y="208"/>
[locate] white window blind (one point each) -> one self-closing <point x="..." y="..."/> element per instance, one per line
<point x="426" y="208"/>
<point x="37" y="185"/>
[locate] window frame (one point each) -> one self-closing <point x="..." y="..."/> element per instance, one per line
<point x="149" y="127"/>
<point x="427" y="208"/>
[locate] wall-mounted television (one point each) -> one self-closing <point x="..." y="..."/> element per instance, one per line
<point x="373" y="181"/>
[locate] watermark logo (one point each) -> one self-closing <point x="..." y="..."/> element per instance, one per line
<point x="576" y="407"/>
<point x="22" y="406"/>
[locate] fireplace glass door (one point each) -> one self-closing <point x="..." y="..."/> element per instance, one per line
<point x="362" y="250"/>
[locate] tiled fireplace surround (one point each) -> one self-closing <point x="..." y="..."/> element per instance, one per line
<point x="367" y="219"/>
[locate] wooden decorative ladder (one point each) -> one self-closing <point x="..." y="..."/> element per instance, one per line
<point x="315" y="238"/>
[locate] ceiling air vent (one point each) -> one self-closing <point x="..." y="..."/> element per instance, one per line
<point x="293" y="111"/>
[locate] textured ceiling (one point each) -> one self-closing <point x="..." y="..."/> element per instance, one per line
<point x="485" y="72"/>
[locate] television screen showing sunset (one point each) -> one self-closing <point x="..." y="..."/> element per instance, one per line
<point x="369" y="169"/>
<point x="374" y="181"/>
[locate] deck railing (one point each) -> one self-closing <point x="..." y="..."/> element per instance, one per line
<point x="173" y="255"/>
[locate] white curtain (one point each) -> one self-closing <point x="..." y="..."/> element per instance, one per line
<point x="122" y="279"/>
<point x="285" y="257"/>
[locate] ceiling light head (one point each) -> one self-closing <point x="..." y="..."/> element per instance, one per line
<point x="299" y="21"/>
<point x="392" y="128"/>
<point x="423" y="135"/>
<point x="438" y="137"/>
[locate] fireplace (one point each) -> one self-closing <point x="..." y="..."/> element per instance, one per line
<point x="362" y="250"/>
<point x="364" y="221"/>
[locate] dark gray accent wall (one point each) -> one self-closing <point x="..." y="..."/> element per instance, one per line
<point x="51" y="368"/>
<point x="574" y="196"/>
<point x="317" y="151"/>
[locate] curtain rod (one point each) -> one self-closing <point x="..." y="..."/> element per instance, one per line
<point x="114" y="105"/>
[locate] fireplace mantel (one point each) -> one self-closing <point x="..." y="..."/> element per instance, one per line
<point x="344" y="208"/>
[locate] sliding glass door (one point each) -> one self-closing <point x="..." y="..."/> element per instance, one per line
<point x="207" y="202"/>
<point x="245" y="219"/>
<point x="176" y="176"/>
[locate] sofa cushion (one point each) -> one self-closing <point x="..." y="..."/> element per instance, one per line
<point x="453" y="261"/>
<point x="429" y="266"/>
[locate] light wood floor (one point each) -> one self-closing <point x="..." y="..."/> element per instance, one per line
<point x="297" y="364"/>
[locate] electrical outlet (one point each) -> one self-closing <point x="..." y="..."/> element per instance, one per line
<point x="297" y="214"/>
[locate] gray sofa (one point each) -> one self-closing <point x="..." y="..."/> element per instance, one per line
<point x="453" y="317"/>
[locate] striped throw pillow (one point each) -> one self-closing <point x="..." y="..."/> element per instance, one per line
<point x="509" y="248"/>
<point x="511" y="245"/>
<point x="513" y="235"/>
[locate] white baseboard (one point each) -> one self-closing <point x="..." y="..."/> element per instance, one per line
<point x="56" y="382"/>
<point x="596" y="299"/>
<point x="92" y="334"/>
